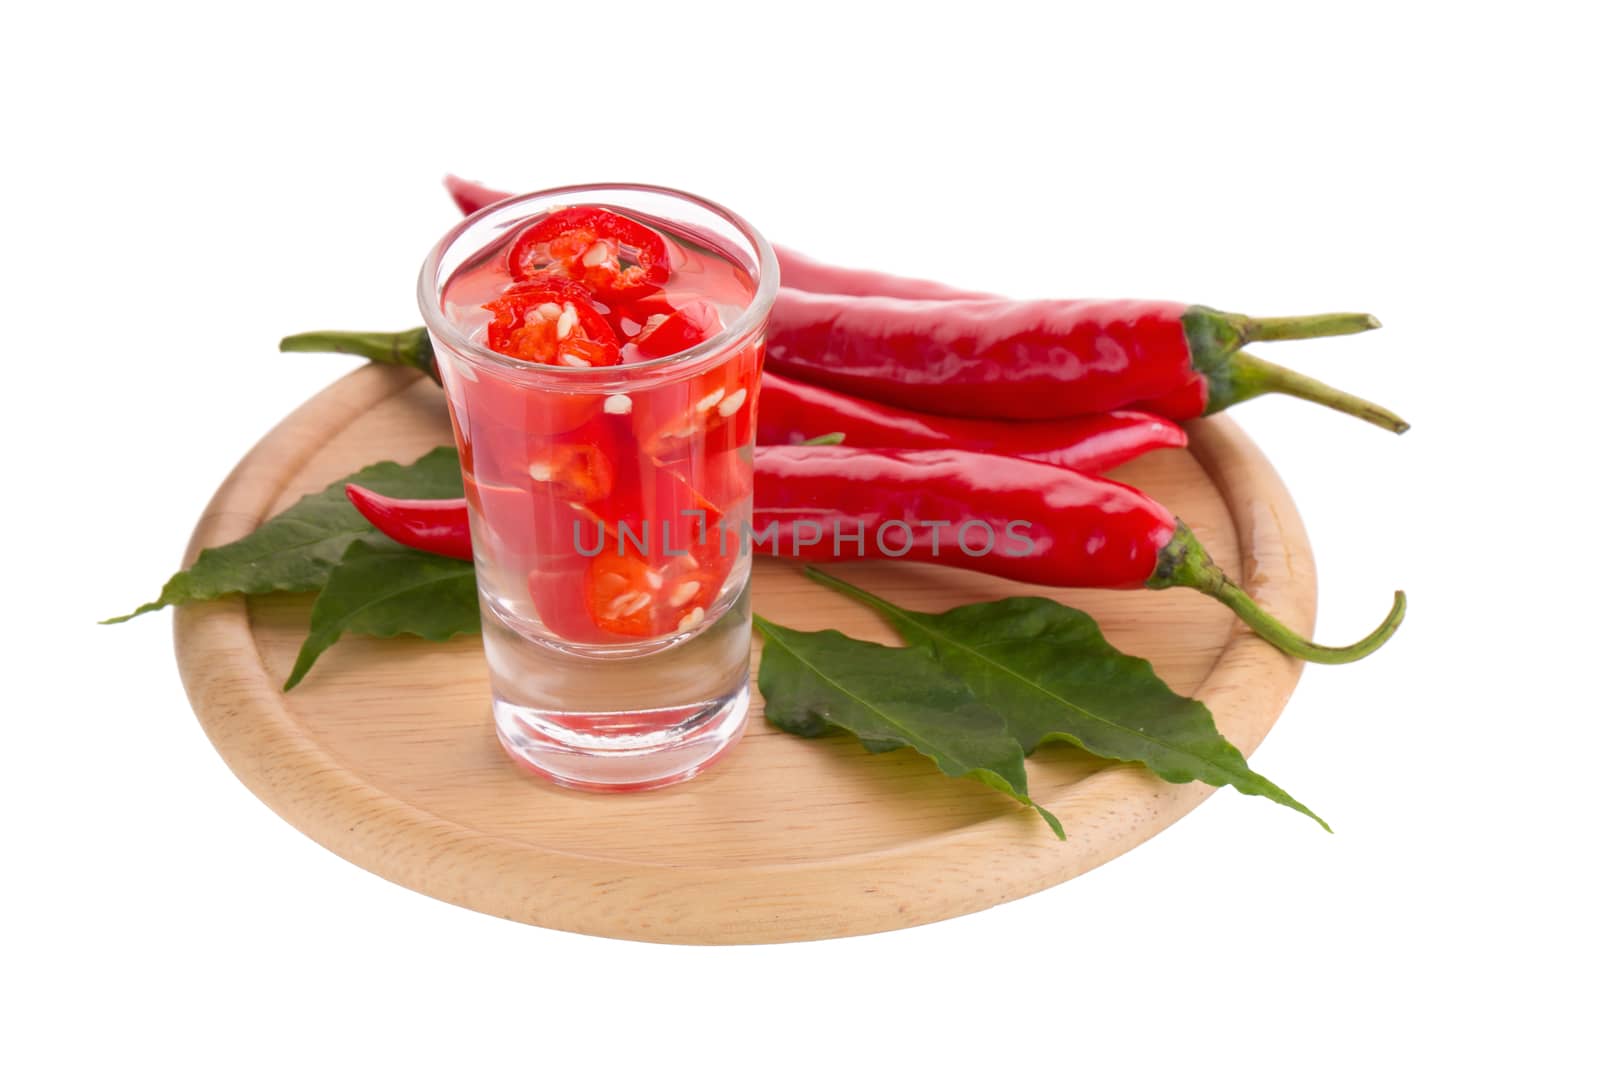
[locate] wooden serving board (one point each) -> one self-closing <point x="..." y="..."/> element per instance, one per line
<point x="386" y="754"/>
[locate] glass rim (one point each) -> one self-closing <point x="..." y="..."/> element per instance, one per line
<point x="430" y="287"/>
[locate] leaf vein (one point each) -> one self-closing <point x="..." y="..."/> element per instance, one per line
<point x="976" y="651"/>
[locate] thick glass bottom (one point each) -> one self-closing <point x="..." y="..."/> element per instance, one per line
<point x="625" y="717"/>
<point x="611" y="752"/>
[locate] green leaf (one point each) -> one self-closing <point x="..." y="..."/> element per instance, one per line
<point x="298" y="549"/>
<point x="386" y="590"/>
<point x="1050" y="673"/>
<point x="815" y="683"/>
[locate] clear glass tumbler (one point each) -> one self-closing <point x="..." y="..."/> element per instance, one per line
<point x="608" y="503"/>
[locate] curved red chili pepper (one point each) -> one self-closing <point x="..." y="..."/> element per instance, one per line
<point x="437" y="526"/>
<point x="1000" y="515"/>
<point x="1212" y="376"/>
<point x="797" y="271"/>
<point x="1018" y="519"/>
<point x="925" y="359"/>
<point x="1043" y="359"/>
<point x="1004" y="516"/>
<point x="802" y="272"/>
<point x="982" y="358"/>
<point x="793" y="412"/>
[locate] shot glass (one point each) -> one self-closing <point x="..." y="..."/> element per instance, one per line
<point x="607" y="502"/>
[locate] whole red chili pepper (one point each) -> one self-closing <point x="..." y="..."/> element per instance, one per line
<point x="1024" y="360"/>
<point x="999" y="515"/>
<point x="797" y="271"/>
<point x="1045" y="359"/>
<point x="793" y="412"/>
<point x="437" y="526"/>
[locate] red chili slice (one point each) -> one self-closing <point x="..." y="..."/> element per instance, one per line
<point x="629" y="596"/>
<point x="716" y="415"/>
<point x="682" y="328"/>
<point x="579" y="473"/>
<point x="628" y="317"/>
<point x="551" y="321"/>
<point x="610" y="254"/>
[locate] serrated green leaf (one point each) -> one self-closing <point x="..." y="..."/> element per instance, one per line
<point x="298" y="549"/>
<point x="387" y="590"/>
<point x="1047" y="669"/>
<point x="889" y="698"/>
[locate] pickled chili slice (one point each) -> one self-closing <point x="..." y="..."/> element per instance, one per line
<point x="680" y="328"/>
<point x="551" y="321"/>
<point x="575" y="472"/>
<point x="609" y="254"/>
<point x="629" y="595"/>
<point x="716" y="417"/>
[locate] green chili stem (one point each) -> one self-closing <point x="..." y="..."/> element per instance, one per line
<point x="1185" y="562"/>
<point x="1232" y="376"/>
<point x="1300" y="327"/>
<point x="1276" y="633"/>
<point x="1247" y="376"/>
<point x="835" y="438"/>
<point x="407" y="348"/>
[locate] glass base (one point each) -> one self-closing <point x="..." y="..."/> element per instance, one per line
<point x="614" y="752"/>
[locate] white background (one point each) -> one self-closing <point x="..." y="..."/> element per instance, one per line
<point x="184" y="187"/>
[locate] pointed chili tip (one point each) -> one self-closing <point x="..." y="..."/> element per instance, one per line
<point x="462" y="192"/>
<point x="469" y="195"/>
<point x="1373" y="323"/>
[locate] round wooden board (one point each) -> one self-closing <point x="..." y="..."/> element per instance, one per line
<point x="386" y="754"/>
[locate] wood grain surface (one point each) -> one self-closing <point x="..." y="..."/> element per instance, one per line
<point x="386" y="754"/>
